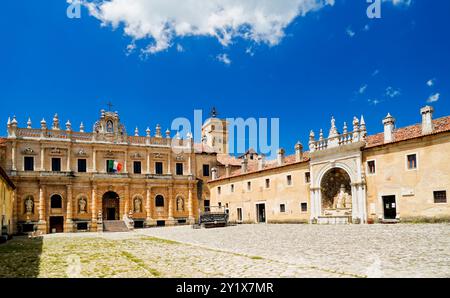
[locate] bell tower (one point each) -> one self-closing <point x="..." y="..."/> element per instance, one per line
<point x="215" y="133"/>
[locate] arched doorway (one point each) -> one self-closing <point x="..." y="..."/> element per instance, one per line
<point x="336" y="193"/>
<point x="111" y="206"/>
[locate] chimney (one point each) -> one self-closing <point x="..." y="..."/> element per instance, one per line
<point x="298" y="152"/>
<point x="227" y="170"/>
<point x="280" y="158"/>
<point x="261" y="162"/>
<point x="427" y="120"/>
<point x="244" y="166"/>
<point x="389" y="125"/>
<point x="214" y="173"/>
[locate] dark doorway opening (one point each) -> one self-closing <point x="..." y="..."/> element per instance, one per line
<point x="56" y="224"/>
<point x="160" y="223"/>
<point x="111" y="206"/>
<point x="261" y="213"/>
<point x="389" y="207"/>
<point x="138" y="224"/>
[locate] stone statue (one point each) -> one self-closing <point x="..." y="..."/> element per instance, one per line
<point x="109" y="127"/>
<point x="82" y="203"/>
<point x="180" y="204"/>
<point x="137" y="205"/>
<point x="29" y="204"/>
<point x="342" y="200"/>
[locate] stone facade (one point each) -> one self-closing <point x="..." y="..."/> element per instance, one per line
<point x="347" y="177"/>
<point x="7" y="199"/>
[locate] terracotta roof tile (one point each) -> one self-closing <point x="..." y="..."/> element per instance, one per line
<point x="409" y="132"/>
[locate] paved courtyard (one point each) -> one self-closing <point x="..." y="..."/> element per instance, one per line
<point x="238" y="251"/>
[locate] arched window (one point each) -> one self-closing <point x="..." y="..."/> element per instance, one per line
<point x="56" y="202"/>
<point x="159" y="201"/>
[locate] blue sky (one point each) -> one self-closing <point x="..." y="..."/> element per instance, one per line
<point x="332" y="61"/>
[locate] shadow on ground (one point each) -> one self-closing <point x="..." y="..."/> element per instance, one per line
<point x="20" y="257"/>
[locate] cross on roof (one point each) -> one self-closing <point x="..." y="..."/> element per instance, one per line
<point x="110" y="105"/>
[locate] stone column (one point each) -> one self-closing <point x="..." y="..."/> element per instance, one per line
<point x="68" y="164"/>
<point x="191" y="205"/>
<point x="148" y="207"/>
<point x="42" y="224"/>
<point x="169" y="163"/>
<point x="69" y="211"/>
<point x="42" y="158"/>
<point x="127" y="201"/>
<point x="312" y="206"/>
<point x="355" y="202"/>
<point x="15" y="206"/>
<point x="171" y="218"/>
<point x="190" y="165"/>
<point x="94" y="208"/>
<point x="148" y="162"/>
<point x="13" y="156"/>
<point x="125" y="163"/>
<point x="94" y="160"/>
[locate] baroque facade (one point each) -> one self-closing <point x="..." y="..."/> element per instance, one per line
<point x="74" y="181"/>
<point x="346" y="177"/>
<point x="7" y="198"/>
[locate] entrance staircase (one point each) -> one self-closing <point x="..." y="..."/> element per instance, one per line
<point x="114" y="226"/>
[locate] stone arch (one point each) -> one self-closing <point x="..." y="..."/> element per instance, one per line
<point x="111" y="205"/>
<point x="330" y="166"/>
<point x="335" y="182"/>
<point x="56" y="201"/>
<point x="159" y="200"/>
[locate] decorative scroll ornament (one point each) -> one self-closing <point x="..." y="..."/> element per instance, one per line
<point x="29" y="151"/>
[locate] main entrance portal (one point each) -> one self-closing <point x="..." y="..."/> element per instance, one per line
<point x="111" y="206"/>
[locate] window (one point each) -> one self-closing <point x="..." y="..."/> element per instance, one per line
<point x="304" y="207"/>
<point x="179" y="169"/>
<point x="158" y="168"/>
<point x="440" y="196"/>
<point x="371" y="167"/>
<point x="82" y="166"/>
<point x="267" y="183"/>
<point x="110" y="166"/>
<point x="56" y="164"/>
<point x="219" y="190"/>
<point x="207" y="205"/>
<point x="159" y="201"/>
<point x="206" y="170"/>
<point x="28" y="163"/>
<point x="289" y="180"/>
<point x="249" y="186"/>
<point x="412" y="161"/>
<point x="239" y="214"/>
<point x="232" y="188"/>
<point x="56" y="202"/>
<point x="307" y="177"/>
<point x="282" y="208"/>
<point x="137" y="167"/>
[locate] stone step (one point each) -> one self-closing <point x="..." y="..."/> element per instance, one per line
<point x="114" y="226"/>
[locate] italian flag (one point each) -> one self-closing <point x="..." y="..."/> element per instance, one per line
<point x="114" y="166"/>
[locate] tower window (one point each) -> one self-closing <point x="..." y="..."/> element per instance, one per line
<point x="206" y="170"/>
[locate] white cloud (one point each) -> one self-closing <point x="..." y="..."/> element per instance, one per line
<point x="434" y="98"/>
<point x="400" y="2"/>
<point x="375" y="72"/>
<point x="366" y="28"/>
<point x="392" y="92"/>
<point x="350" y="32"/>
<point x="180" y="48"/>
<point x="161" y="21"/>
<point x="430" y="83"/>
<point x="224" y="59"/>
<point x="362" y="89"/>
<point x="374" y="101"/>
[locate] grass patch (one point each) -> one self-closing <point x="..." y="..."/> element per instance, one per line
<point x="130" y="257"/>
<point x="159" y="240"/>
<point x="256" y="258"/>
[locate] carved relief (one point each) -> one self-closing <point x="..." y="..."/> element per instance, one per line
<point x="82" y="205"/>
<point x="136" y="155"/>
<point x="28" y="151"/>
<point x="81" y="153"/>
<point x="29" y="205"/>
<point x="180" y="204"/>
<point x="137" y="205"/>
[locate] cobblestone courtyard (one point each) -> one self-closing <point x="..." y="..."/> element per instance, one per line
<point x="239" y="251"/>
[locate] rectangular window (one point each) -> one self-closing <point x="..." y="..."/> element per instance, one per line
<point x="412" y="161"/>
<point x="289" y="180"/>
<point x="232" y="188"/>
<point x="207" y="204"/>
<point x="307" y="177"/>
<point x="158" y="168"/>
<point x="249" y="186"/>
<point x="219" y="190"/>
<point x="239" y="214"/>
<point x="179" y="169"/>
<point x="82" y="166"/>
<point x="137" y="167"/>
<point x="304" y="207"/>
<point x="28" y="163"/>
<point x="282" y="208"/>
<point x="206" y="170"/>
<point x="267" y="183"/>
<point x="56" y="164"/>
<point x="371" y="167"/>
<point x="440" y="196"/>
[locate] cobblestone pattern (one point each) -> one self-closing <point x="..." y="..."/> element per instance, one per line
<point x="400" y="250"/>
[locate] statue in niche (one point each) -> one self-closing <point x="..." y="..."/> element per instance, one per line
<point x="137" y="205"/>
<point x="342" y="200"/>
<point x="29" y="205"/>
<point x="109" y="127"/>
<point x="82" y="203"/>
<point x="180" y="204"/>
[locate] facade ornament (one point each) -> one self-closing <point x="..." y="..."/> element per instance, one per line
<point x="180" y="204"/>
<point x="29" y="151"/>
<point x="81" y="127"/>
<point x="109" y="153"/>
<point x="68" y="126"/>
<point x="29" y="206"/>
<point x="180" y="157"/>
<point x="168" y="134"/>
<point x="136" y="155"/>
<point x="321" y="135"/>
<point x="157" y="155"/>
<point x="55" y="122"/>
<point x="158" y="131"/>
<point x="56" y="151"/>
<point x="363" y="128"/>
<point x="82" y="204"/>
<point x="148" y="132"/>
<point x="345" y="128"/>
<point x="177" y="136"/>
<point x="333" y="130"/>
<point x="136" y="132"/>
<point x="81" y="153"/>
<point x="29" y="123"/>
<point x="137" y="205"/>
<point x="43" y="124"/>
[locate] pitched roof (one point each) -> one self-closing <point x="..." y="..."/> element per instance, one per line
<point x="7" y="179"/>
<point x="3" y="142"/>
<point x="409" y="132"/>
